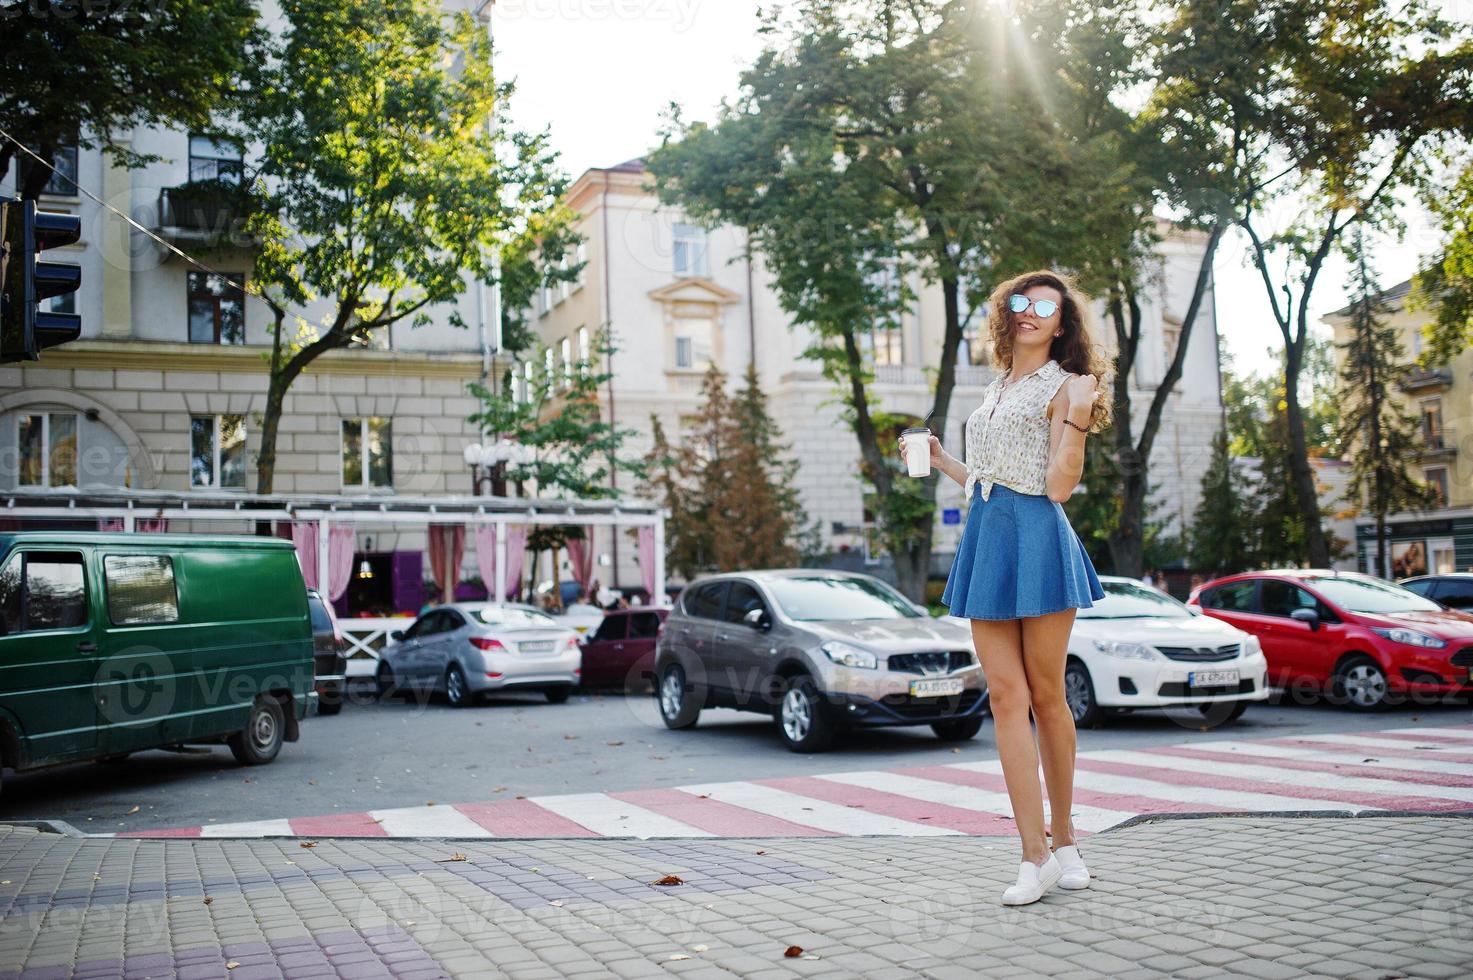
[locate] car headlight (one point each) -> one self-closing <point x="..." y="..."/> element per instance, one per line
<point x="847" y="655"/>
<point x="1251" y="646"/>
<point x="1397" y="634"/>
<point x="1127" y="651"/>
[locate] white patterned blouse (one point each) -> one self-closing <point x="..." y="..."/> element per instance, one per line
<point x="1007" y="437"/>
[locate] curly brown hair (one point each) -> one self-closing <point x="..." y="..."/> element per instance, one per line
<point x="1076" y="350"/>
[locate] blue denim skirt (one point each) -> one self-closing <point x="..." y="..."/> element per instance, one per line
<point x="1018" y="556"/>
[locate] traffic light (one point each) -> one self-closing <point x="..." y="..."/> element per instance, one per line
<point x="24" y="330"/>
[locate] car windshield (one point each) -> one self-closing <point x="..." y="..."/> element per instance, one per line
<point x="1130" y="600"/>
<point x="1369" y="596"/>
<point x="507" y="616"/>
<point x="813" y="598"/>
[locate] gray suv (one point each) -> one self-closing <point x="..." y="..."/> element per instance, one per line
<point x="820" y="651"/>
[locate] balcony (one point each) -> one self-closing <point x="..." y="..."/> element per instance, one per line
<point x="1438" y="444"/>
<point x="213" y="212"/>
<point x="1420" y="381"/>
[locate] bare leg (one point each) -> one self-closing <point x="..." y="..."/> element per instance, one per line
<point x="999" y="646"/>
<point x="1045" y="647"/>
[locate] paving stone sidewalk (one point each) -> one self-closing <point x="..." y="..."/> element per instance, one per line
<point x="1258" y="896"/>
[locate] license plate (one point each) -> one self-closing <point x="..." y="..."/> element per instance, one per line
<point x="542" y="646"/>
<point x="936" y="687"/>
<point x="1211" y="678"/>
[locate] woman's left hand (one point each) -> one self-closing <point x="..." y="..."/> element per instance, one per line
<point x="1083" y="389"/>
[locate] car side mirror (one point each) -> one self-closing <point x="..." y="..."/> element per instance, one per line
<point x="757" y="619"/>
<point x="1196" y="610"/>
<point x="397" y="636"/>
<point x="1308" y="617"/>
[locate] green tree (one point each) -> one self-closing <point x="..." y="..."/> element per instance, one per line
<point x="79" y="74"/>
<point x="1381" y="436"/>
<point x="1445" y="287"/>
<point x="670" y="472"/>
<point x="387" y="183"/>
<point x="875" y="143"/>
<point x="1358" y="97"/>
<point x="1223" y="528"/>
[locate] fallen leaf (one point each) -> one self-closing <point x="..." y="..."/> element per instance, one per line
<point x="660" y="757"/>
<point x="232" y="965"/>
<point x="955" y="750"/>
<point x="707" y="796"/>
<point x="700" y="948"/>
<point x="457" y="856"/>
<point x="521" y="797"/>
<point x="669" y="880"/>
<point x="208" y="899"/>
<point x="134" y="810"/>
<point x="308" y="843"/>
<point x="499" y="789"/>
<point x="679" y="956"/>
<point x="855" y="806"/>
<point x="429" y="802"/>
<point x="570" y="737"/>
<point x="793" y="951"/>
<point x="761" y="852"/>
<point x="311" y="782"/>
<point x="556" y="901"/>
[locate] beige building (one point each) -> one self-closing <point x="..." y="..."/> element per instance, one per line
<point x="678" y="297"/>
<point x="1441" y="398"/>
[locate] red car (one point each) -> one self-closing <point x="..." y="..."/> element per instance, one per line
<point x="621" y="652"/>
<point x="1362" y="638"/>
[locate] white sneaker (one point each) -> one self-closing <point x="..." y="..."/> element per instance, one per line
<point x="1075" y="875"/>
<point x="1033" y="881"/>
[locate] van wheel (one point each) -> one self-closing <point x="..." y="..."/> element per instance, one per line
<point x="260" y="741"/>
<point x="1362" y="684"/>
<point x="384" y="679"/>
<point x="1079" y="691"/>
<point x="801" y="717"/>
<point x="957" y="729"/>
<point x="679" y="707"/>
<point x="557" y="695"/>
<point x="457" y="692"/>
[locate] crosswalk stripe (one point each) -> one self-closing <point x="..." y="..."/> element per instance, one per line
<point x="1383" y="746"/>
<point x="521" y="818"/>
<point x="1158" y="790"/>
<point x="812" y="812"/>
<point x="1457" y="732"/>
<point x="892" y="801"/>
<point x="338" y="825"/>
<point x="1401" y="795"/>
<point x="1092" y="810"/>
<point x="993" y="809"/>
<point x="609" y="817"/>
<point x="250" y="828"/>
<point x="1386" y="776"/>
<point x="715" y="816"/>
<point x="1330" y="753"/>
<point x="1441" y="736"/>
<point x="427" y="821"/>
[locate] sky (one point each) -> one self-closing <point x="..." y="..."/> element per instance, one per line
<point x="598" y="74"/>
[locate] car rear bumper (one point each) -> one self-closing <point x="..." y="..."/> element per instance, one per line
<point x="519" y="671"/>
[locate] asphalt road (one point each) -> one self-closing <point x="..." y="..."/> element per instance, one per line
<point x="402" y="753"/>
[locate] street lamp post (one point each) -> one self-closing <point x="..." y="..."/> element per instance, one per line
<point x="488" y="463"/>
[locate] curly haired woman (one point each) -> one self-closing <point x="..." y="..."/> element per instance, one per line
<point x="1020" y="570"/>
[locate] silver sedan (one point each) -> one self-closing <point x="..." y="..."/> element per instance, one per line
<point x="467" y="649"/>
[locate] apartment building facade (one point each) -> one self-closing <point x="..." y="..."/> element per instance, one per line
<point x="677" y="297"/>
<point x="1441" y="399"/>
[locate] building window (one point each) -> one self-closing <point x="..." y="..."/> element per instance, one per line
<point x="48" y="450"/>
<point x="549" y="367"/>
<point x="884" y="343"/>
<point x="567" y="350"/>
<point x="216" y="308"/>
<point x="63" y="179"/>
<point x="545" y="298"/>
<point x="214" y="160"/>
<point x="217" y="451"/>
<point x="973" y="348"/>
<point x="527" y="381"/>
<point x="693" y="343"/>
<point x="585" y="357"/>
<point x="564" y="286"/>
<point x="1436" y="477"/>
<point x="367" y="453"/>
<point x="690" y="250"/>
<point x="1432" y="435"/>
<point x="580" y="257"/>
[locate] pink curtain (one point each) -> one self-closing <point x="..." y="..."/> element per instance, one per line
<point x="304" y="536"/>
<point x="580" y="556"/>
<point x="516" y="546"/>
<point x="447" y="550"/>
<point x="341" y="543"/>
<point x="646" y="543"/>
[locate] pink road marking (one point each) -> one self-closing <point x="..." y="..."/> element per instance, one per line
<point x="337" y="825"/>
<point x="522" y="818"/>
<point x="716" y="817"/>
<point x="1426" y="739"/>
<point x="1308" y="765"/>
<point x="1367" y="751"/>
<point x="894" y="805"/>
<point x="171" y="832"/>
<point x="1089" y="797"/>
<point x="1379" y="801"/>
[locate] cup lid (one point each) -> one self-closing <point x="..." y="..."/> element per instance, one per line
<point x="914" y="428"/>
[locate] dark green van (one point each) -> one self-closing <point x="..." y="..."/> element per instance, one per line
<point x="112" y="643"/>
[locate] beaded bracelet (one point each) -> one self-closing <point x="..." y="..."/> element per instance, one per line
<point x="1079" y="427"/>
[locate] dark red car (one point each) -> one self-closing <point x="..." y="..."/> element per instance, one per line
<point x="621" y="652"/>
<point x="1361" y="638"/>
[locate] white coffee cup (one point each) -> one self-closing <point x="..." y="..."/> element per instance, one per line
<point x="917" y="443"/>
